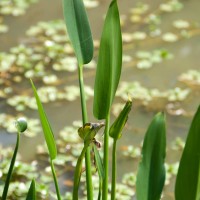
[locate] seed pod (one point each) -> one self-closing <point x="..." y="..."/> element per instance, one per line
<point x="21" y="124"/>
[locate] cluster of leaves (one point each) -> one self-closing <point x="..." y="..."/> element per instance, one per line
<point x="65" y="162"/>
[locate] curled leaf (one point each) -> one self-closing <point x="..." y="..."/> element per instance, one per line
<point x="119" y="123"/>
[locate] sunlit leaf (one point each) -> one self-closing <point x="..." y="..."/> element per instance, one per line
<point x="78" y="29"/>
<point x="109" y="63"/>
<point x="188" y="178"/>
<point x="151" y="173"/>
<point x="49" y="137"/>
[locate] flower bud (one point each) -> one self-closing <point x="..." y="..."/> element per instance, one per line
<point x="21" y="124"/>
<point x="89" y="131"/>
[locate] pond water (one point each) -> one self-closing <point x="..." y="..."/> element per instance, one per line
<point x="162" y="76"/>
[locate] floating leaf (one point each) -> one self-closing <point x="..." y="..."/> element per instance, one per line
<point x="181" y="24"/>
<point x="78" y="29"/>
<point x="151" y="173"/>
<point x="188" y="178"/>
<point x="109" y="63"/>
<point x="49" y="137"/>
<point x="169" y="37"/>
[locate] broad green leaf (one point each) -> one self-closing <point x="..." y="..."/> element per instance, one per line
<point x="188" y="178"/>
<point x="31" y="192"/>
<point x="151" y="172"/>
<point x="78" y="30"/>
<point x="99" y="162"/>
<point x="119" y="123"/>
<point x="109" y="63"/>
<point x="48" y="134"/>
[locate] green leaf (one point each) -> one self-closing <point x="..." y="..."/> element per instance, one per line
<point x="31" y="192"/>
<point x="48" y="134"/>
<point x="188" y="178"/>
<point x="109" y="63"/>
<point x="119" y="123"/>
<point x="78" y="30"/>
<point x="151" y="173"/>
<point x="99" y="163"/>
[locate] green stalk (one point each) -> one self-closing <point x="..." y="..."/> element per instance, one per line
<point x="85" y="120"/>
<point x="55" y="180"/>
<point x="106" y="158"/>
<point x="5" y="190"/>
<point x="77" y="173"/>
<point x="114" y="166"/>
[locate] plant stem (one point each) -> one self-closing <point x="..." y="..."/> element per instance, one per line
<point x="106" y="158"/>
<point x="55" y="180"/>
<point x="5" y="190"/>
<point x="85" y="120"/>
<point x="77" y="173"/>
<point x="114" y="166"/>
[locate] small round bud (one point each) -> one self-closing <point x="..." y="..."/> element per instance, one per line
<point x="21" y="124"/>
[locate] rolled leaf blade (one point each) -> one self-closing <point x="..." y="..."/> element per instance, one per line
<point x="78" y="29"/>
<point x="119" y="123"/>
<point x="151" y="172"/>
<point x="109" y="63"/>
<point x="188" y="177"/>
<point x="47" y="130"/>
<point x="31" y="192"/>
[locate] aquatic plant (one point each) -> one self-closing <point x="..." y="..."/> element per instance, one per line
<point x="151" y="172"/>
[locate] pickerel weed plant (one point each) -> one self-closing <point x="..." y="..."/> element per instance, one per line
<point x="151" y="170"/>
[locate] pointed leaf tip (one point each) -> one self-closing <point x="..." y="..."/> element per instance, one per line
<point x="119" y="123"/>
<point x="78" y="30"/>
<point x="151" y="172"/>
<point x="32" y="191"/>
<point x="109" y="63"/>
